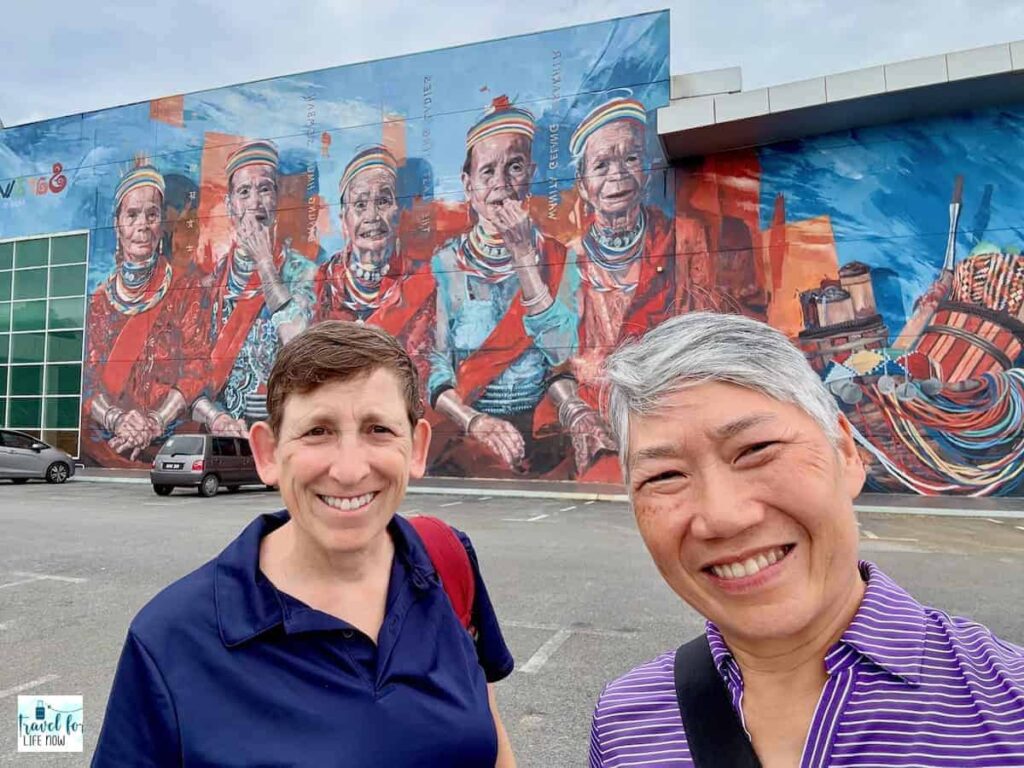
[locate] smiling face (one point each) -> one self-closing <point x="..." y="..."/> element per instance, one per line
<point x="252" y="191"/>
<point x="140" y="223"/>
<point x="369" y="212"/>
<point x="500" y="169"/>
<point x="612" y="175"/>
<point x="747" y="509"/>
<point x="342" y="458"/>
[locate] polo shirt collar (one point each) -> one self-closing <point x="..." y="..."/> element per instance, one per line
<point x="248" y="604"/>
<point x="889" y="627"/>
<point x="888" y="630"/>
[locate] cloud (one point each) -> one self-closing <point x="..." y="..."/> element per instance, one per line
<point x="70" y="56"/>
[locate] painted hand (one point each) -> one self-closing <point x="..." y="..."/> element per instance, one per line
<point x="590" y="436"/>
<point x="516" y="230"/>
<point x="500" y="438"/>
<point x="133" y="432"/>
<point x="227" y="426"/>
<point x="257" y="240"/>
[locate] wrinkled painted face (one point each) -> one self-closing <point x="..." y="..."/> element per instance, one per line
<point x="140" y="223"/>
<point x="613" y="176"/>
<point x="344" y="457"/>
<point x="747" y="509"/>
<point x="501" y="169"/>
<point x="253" y="192"/>
<point x="369" y="217"/>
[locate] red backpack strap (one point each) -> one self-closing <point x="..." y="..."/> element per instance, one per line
<point x="451" y="561"/>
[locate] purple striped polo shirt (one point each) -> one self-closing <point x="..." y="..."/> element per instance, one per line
<point x="907" y="686"/>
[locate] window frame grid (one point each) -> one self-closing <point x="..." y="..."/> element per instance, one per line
<point x="43" y="396"/>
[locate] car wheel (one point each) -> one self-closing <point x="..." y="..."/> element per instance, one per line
<point x="208" y="487"/>
<point x="57" y="472"/>
<point x="233" y="488"/>
<point x="19" y="480"/>
<point x="163" y="490"/>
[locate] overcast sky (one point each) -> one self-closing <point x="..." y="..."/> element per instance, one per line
<point x="60" y="57"/>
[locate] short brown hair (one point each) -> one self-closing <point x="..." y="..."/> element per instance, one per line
<point x="338" y="350"/>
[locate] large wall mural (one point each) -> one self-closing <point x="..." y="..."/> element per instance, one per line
<point x="505" y="210"/>
<point x="891" y="256"/>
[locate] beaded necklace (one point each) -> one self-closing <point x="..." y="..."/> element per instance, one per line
<point x="610" y="255"/>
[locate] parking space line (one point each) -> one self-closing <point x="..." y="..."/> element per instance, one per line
<point x="30" y="684"/>
<point x="574" y="630"/>
<point x="870" y="535"/>
<point x="588" y="503"/>
<point x="485" y="498"/>
<point x="533" y="519"/>
<point x="540" y="658"/>
<point x="993" y="520"/>
<point x="18" y="583"/>
<point x="1019" y="527"/>
<point x="51" y="577"/>
<point x="451" y="504"/>
<point x="566" y="509"/>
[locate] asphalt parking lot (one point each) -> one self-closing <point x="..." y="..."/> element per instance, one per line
<point x="579" y="600"/>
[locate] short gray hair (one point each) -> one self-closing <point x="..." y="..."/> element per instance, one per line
<point x="701" y="347"/>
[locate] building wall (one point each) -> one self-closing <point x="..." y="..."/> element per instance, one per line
<point x="841" y="241"/>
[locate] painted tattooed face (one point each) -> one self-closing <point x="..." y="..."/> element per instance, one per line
<point x="140" y="222"/>
<point x="500" y="170"/>
<point x="252" y="191"/>
<point x="612" y="174"/>
<point x="369" y="214"/>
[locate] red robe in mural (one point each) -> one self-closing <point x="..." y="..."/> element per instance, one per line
<point x="405" y="306"/>
<point x="232" y="340"/>
<point x="133" y="354"/>
<point x="608" y="317"/>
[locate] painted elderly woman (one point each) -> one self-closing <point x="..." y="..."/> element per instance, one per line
<point x="370" y="280"/>
<point x="742" y="475"/>
<point x="130" y="360"/>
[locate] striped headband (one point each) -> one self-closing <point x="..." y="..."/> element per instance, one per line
<point x="141" y="176"/>
<point x="612" y="110"/>
<point x="366" y="159"/>
<point x="258" y="152"/>
<point x="502" y="117"/>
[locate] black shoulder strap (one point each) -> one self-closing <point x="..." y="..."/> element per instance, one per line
<point x="713" y="730"/>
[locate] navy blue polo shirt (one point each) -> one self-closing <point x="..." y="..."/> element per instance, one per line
<point x="223" y="669"/>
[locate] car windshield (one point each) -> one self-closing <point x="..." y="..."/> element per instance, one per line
<point x="182" y="444"/>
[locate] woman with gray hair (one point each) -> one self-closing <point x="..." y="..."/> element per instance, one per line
<point x="742" y="474"/>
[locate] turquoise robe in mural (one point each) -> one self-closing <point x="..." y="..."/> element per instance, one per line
<point x="468" y="310"/>
<point x="243" y="395"/>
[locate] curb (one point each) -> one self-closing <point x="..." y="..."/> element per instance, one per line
<point x="510" y="493"/>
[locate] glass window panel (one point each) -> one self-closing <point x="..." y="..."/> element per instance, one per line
<point x="5" y="316"/>
<point x="28" y="347"/>
<point x="6" y="255"/>
<point x="5" y="285"/>
<point x="68" y="281"/>
<point x="28" y="315"/>
<point x="61" y="413"/>
<point x="4" y="342"/>
<point x="3" y="412"/>
<point x="68" y="249"/>
<point x="25" y="412"/>
<point x="26" y="380"/>
<point x="65" y="346"/>
<point x="3" y="380"/>
<point x="67" y="313"/>
<point x="29" y="284"/>
<point x="63" y="379"/>
<point x="31" y="253"/>
<point x="66" y="440"/>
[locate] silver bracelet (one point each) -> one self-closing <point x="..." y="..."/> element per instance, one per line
<point x="538" y="299"/>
